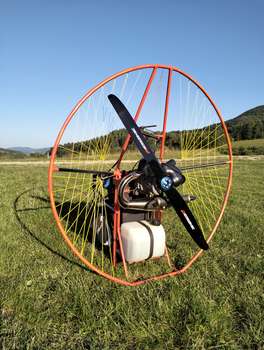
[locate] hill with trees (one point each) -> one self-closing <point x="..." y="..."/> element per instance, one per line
<point x="247" y="126"/>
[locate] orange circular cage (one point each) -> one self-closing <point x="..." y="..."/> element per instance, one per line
<point x="170" y="72"/>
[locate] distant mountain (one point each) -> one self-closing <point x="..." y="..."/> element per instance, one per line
<point x="8" y="153"/>
<point x="28" y="150"/>
<point x="6" y="150"/>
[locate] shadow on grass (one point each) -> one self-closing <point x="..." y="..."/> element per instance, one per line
<point x="22" y="197"/>
<point x="81" y="220"/>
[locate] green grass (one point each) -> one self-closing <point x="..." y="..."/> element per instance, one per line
<point x="246" y="147"/>
<point x="248" y="143"/>
<point x="49" y="301"/>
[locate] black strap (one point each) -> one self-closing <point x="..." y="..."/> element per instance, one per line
<point x="151" y="248"/>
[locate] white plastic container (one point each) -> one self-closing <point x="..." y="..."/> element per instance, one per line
<point x="142" y="241"/>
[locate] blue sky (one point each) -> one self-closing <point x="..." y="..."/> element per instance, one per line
<point x="52" y="52"/>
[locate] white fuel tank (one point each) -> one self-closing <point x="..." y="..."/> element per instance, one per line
<point x="142" y="241"/>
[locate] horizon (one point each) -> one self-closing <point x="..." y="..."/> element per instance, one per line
<point x="53" y="53"/>
<point x="48" y="147"/>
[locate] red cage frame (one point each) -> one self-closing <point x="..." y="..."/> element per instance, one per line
<point x="116" y="233"/>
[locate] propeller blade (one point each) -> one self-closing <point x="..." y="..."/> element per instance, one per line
<point x="132" y="128"/>
<point x="178" y="203"/>
<point x="186" y="217"/>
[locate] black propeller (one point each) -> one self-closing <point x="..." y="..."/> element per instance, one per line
<point x="165" y="181"/>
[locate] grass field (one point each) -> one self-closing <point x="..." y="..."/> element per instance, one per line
<point x="247" y="143"/>
<point x="49" y="301"/>
<point x="247" y="147"/>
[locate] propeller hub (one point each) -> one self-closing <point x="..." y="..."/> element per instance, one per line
<point x="166" y="183"/>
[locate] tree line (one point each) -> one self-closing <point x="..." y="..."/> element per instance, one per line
<point x="248" y="126"/>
